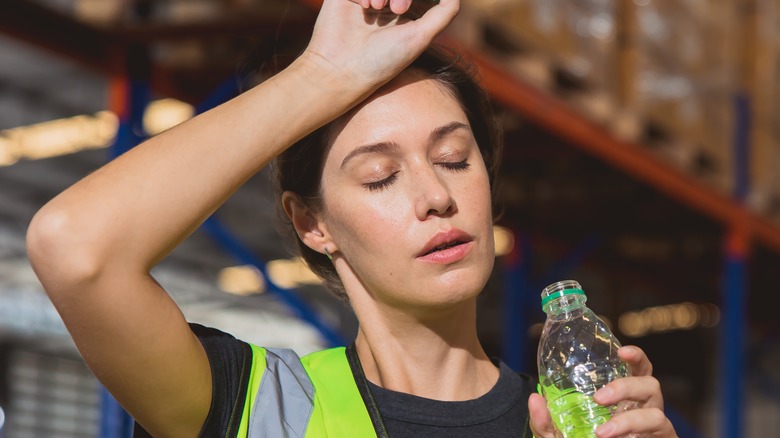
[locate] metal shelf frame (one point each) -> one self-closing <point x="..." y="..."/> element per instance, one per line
<point x="743" y="228"/>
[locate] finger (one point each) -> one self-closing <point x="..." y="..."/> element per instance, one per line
<point x="378" y="4"/>
<point x="365" y="4"/>
<point x="436" y="19"/>
<point x="399" y="7"/>
<point x="642" y="389"/>
<point x="637" y="360"/>
<point x="639" y="421"/>
<point x="541" y="422"/>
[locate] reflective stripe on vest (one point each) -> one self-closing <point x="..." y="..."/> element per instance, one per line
<point x="285" y="399"/>
<point x="315" y="396"/>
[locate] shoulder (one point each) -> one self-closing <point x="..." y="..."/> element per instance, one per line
<point x="329" y="370"/>
<point x="210" y="336"/>
<point x="226" y="353"/>
<point x="324" y="358"/>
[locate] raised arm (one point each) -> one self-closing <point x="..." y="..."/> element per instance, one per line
<point x="93" y="245"/>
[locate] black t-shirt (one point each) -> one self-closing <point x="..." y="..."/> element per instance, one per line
<point x="502" y="412"/>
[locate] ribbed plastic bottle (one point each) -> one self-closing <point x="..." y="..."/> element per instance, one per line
<point x="577" y="356"/>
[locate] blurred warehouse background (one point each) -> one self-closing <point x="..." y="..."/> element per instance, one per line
<point x="642" y="159"/>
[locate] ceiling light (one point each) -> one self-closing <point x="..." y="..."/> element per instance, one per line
<point x="164" y="114"/>
<point x="504" y="239"/>
<point x="290" y="273"/>
<point x="8" y="154"/>
<point x="684" y="316"/>
<point x="241" y="280"/>
<point x="632" y="324"/>
<point x="57" y="137"/>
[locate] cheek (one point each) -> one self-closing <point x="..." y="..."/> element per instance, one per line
<point x="473" y="196"/>
<point x="366" y="225"/>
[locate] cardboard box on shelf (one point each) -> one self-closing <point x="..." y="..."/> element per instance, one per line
<point x="764" y="155"/>
<point x="576" y="38"/>
<point x="684" y="82"/>
<point x="764" y="191"/>
<point x="564" y="47"/>
<point x="634" y="66"/>
<point x="761" y="73"/>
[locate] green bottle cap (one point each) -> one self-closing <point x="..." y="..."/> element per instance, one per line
<point x="560" y="289"/>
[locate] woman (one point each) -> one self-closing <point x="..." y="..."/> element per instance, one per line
<point x="402" y="208"/>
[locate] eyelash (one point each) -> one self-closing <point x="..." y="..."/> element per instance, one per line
<point x="460" y="166"/>
<point x="379" y="185"/>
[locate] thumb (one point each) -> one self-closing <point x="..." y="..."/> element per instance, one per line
<point x="541" y="422"/>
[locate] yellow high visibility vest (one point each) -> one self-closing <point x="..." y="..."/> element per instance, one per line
<point x="314" y="396"/>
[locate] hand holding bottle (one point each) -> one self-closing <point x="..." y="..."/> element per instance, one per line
<point x="590" y="385"/>
<point x="647" y="419"/>
<point x="642" y="389"/>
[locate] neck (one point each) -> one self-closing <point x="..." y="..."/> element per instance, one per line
<point x="437" y="356"/>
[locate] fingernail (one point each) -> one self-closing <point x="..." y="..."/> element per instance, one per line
<point x="605" y="429"/>
<point x="603" y="394"/>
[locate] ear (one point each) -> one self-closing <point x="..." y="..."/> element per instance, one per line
<point x="308" y="225"/>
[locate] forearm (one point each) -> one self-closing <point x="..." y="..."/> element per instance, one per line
<point x="137" y="208"/>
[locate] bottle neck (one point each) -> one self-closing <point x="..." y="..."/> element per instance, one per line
<point x="564" y="305"/>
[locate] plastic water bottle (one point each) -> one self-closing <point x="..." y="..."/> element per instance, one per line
<point x="577" y="356"/>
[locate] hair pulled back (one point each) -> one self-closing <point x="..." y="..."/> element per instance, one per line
<point x="299" y="168"/>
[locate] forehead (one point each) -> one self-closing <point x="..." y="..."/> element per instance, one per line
<point x="409" y="104"/>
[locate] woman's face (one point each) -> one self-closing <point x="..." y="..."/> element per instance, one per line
<point x="407" y="199"/>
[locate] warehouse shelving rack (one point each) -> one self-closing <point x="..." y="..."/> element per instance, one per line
<point x="119" y="55"/>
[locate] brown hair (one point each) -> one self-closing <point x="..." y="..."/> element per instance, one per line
<point x="299" y="168"/>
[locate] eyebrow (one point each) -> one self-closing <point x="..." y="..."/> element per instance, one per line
<point x="382" y="147"/>
<point x="389" y="146"/>
<point x="443" y="131"/>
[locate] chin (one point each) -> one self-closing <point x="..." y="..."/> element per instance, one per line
<point x="460" y="285"/>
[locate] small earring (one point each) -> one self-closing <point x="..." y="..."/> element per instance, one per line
<point x="327" y="253"/>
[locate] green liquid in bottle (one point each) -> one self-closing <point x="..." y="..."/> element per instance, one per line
<point x="574" y="413"/>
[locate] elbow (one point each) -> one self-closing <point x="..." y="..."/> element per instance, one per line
<point x="59" y="251"/>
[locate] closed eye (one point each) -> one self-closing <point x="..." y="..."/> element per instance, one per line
<point x="458" y="167"/>
<point x="381" y="184"/>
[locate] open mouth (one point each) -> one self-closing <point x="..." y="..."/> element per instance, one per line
<point x="446" y="246"/>
<point x="443" y="247"/>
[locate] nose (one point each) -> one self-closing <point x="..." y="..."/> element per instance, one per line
<point x="432" y="195"/>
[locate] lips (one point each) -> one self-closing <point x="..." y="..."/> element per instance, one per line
<point x="444" y="240"/>
<point x="443" y="247"/>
